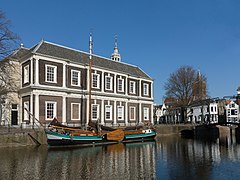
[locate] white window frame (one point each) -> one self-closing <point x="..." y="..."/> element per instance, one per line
<point x="110" y="83"/>
<point x="26" y="111"/>
<point x="98" y="80"/>
<point x="54" y="109"/>
<point x="118" y="88"/>
<point x="54" y="73"/>
<point x="145" y="89"/>
<point x="26" y="74"/>
<point x="110" y="112"/>
<point x="146" y="113"/>
<point x="132" y="87"/>
<point x="97" y="105"/>
<point x="79" y="111"/>
<point x="134" y="114"/>
<point x="122" y="112"/>
<point x="78" y="78"/>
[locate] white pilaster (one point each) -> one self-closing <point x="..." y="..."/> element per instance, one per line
<point x="64" y="74"/>
<point x="31" y="62"/>
<point x="64" y="109"/>
<point x="126" y="86"/>
<point x="37" y="72"/>
<point x="140" y="113"/>
<point x="151" y="117"/>
<point x="151" y="90"/>
<point x="115" y="83"/>
<point x="140" y="88"/>
<point x="126" y="113"/>
<point x="36" y="107"/>
<point x="87" y="109"/>
<point x="20" y="111"/>
<point x="31" y="107"/>
<point x="115" y="113"/>
<point x="103" y="82"/>
<point x="102" y="112"/>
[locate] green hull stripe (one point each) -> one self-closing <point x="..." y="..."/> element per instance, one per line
<point x="99" y="138"/>
<point x="139" y="135"/>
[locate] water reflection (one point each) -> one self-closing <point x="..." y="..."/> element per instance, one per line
<point x="167" y="158"/>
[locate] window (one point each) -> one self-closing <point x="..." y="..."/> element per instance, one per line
<point x="95" y="111"/>
<point x="146" y="113"/>
<point x="120" y="85"/>
<point x="95" y="80"/>
<point x="108" y="112"/>
<point x="132" y="87"/>
<point x="26" y="111"/>
<point x="132" y="113"/>
<point x="51" y="73"/>
<point x="211" y="109"/>
<point x="145" y="89"/>
<point x="233" y="112"/>
<point x="75" y="78"/>
<point x="51" y="110"/>
<point x="26" y="74"/>
<point x="120" y="112"/>
<point x="108" y="83"/>
<point x="75" y="111"/>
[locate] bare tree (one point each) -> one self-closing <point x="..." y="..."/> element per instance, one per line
<point x="185" y="85"/>
<point x="9" y="68"/>
<point x="8" y="39"/>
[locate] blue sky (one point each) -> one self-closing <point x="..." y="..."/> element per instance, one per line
<point x="159" y="36"/>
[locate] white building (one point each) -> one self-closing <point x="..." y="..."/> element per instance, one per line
<point x="203" y="112"/>
<point x="159" y="113"/>
<point x="232" y="112"/>
<point x="56" y="82"/>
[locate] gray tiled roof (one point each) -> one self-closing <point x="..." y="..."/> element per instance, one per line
<point x="20" y="53"/>
<point x="54" y="50"/>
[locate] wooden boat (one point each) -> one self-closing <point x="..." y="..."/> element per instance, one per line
<point x="61" y="135"/>
<point x="139" y="135"/>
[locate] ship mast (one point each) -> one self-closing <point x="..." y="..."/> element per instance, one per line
<point x="90" y="79"/>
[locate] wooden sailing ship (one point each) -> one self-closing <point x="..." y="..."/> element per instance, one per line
<point x="60" y="135"/>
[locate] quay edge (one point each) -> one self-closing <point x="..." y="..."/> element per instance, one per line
<point x="15" y="137"/>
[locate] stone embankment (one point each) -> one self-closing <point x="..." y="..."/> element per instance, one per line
<point x="171" y="129"/>
<point x="12" y="137"/>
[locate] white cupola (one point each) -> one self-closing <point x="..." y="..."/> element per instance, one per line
<point x="115" y="55"/>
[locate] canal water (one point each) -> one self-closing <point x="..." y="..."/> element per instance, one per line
<point x="170" y="157"/>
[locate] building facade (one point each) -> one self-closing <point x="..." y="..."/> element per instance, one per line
<point x="9" y="87"/>
<point x="232" y="111"/>
<point x="55" y="83"/>
<point x="203" y="112"/>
